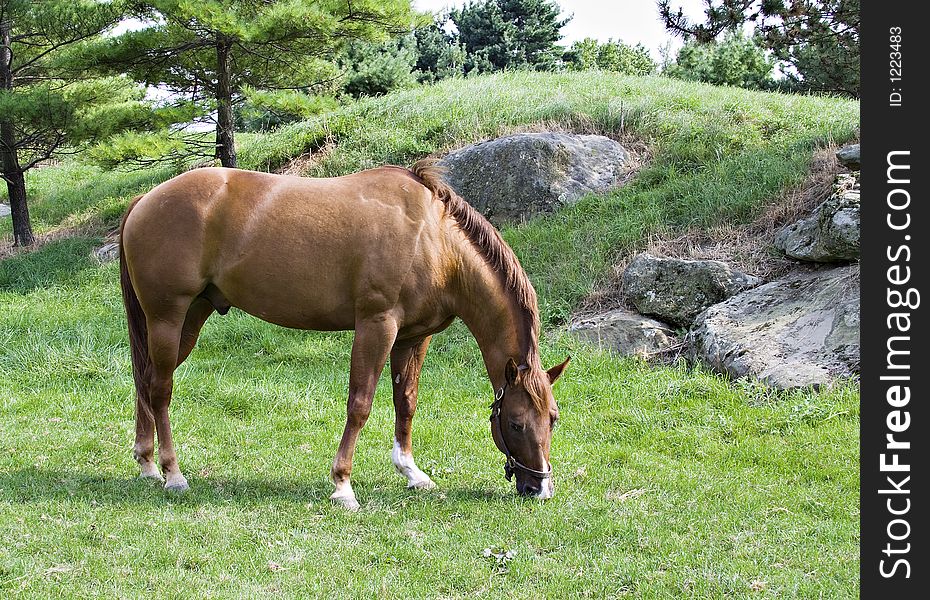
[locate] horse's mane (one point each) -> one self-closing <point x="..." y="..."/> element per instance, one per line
<point x="501" y="258"/>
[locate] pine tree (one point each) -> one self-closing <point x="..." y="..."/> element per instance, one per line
<point x="736" y="61"/>
<point x="47" y="107"/>
<point x="211" y="52"/>
<point x="510" y="34"/>
<point x="439" y="54"/>
<point x="609" y="56"/>
<point x="818" y="39"/>
<point x="375" y="69"/>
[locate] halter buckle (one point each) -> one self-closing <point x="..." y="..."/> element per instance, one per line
<point x="496" y="405"/>
<point x="509" y="471"/>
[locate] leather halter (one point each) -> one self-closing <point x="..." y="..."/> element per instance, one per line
<point x="511" y="464"/>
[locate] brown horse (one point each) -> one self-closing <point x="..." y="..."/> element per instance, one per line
<point x="394" y="254"/>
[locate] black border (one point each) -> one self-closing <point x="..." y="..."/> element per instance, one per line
<point x="887" y="128"/>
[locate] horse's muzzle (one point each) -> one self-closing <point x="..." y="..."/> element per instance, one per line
<point x="534" y="488"/>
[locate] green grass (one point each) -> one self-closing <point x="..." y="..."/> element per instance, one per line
<point x="670" y="482"/>
<point x="75" y="194"/>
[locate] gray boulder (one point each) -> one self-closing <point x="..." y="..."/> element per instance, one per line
<point x="4" y="210"/>
<point x="797" y="331"/>
<point x="676" y="290"/>
<point x="831" y="233"/>
<point x="849" y="156"/>
<point x="625" y="332"/>
<point x="516" y="177"/>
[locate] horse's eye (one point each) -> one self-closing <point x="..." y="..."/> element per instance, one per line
<point x="517" y="426"/>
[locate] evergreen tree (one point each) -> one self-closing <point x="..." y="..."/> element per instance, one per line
<point x="817" y="39"/>
<point x="211" y="52"/>
<point x="609" y="56"/>
<point x="439" y="54"/>
<point x="48" y="108"/>
<point x="510" y="34"/>
<point x="737" y="60"/>
<point x="374" y="69"/>
<point x="264" y="110"/>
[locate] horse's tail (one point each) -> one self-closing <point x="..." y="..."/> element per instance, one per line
<point x="138" y="330"/>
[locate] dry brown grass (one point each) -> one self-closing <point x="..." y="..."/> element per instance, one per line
<point x="7" y="249"/>
<point x="83" y="225"/>
<point x="747" y="248"/>
<point x="306" y="162"/>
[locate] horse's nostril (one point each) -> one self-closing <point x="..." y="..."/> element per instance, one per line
<point x="529" y="489"/>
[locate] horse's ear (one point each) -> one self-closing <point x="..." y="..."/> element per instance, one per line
<point x="556" y="371"/>
<point x="511" y="372"/>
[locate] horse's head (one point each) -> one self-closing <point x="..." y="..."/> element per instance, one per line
<point x="522" y="417"/>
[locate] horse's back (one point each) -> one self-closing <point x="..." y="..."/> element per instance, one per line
<point x="300" y="252"/>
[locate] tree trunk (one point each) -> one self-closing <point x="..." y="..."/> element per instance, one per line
<point x="9" y="162"/>
<point x="225" y="127"/>
<point x="22" y="228"/>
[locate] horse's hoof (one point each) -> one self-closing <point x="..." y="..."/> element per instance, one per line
<point x="153" y="477"/>
<point x="347" y="502"/>
<point x="422" y="484"/>
<point x="176" y="483"/>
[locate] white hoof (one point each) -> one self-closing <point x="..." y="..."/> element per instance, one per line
<point x="344" y="496"/>
<point x="176" y="483"/>
<point x="151" y="473"/>
<point x="346" y="502"/>
<point x="405" y="465"/>
<point x="422" y="484"/>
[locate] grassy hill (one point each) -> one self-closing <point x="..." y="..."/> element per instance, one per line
<point x="716" y="155"/>
<point x="670" y="481"/>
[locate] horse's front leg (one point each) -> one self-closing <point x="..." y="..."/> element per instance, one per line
<point x="406" y="363"/>
<point x="374" y="338"/>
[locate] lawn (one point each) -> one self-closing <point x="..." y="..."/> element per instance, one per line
<point x="670" y="481"/>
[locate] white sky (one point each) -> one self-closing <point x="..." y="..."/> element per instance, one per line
<point x="629" y="21"/>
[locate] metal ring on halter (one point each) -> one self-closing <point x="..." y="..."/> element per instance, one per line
<point x="511" y="464"/>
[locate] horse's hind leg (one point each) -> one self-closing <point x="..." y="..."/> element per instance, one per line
<point x="406" y="363"/>
<point x="144" y="449"/>
<point x="164" y="349"/>
<point x="197" y="315"/>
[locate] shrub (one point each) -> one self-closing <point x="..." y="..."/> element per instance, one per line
<point x="609" y="56"/>
<point x="736" y="61"/>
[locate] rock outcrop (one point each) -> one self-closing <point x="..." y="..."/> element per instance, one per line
<point x="106" y="253"/>
<point x="625" y="333"/>
<point x="849" y="156"/>
<point x="676" y="290"/>
<point x="513" y="178"/>
<point x="831" y="233"/>
<point x="799" y="330"/>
